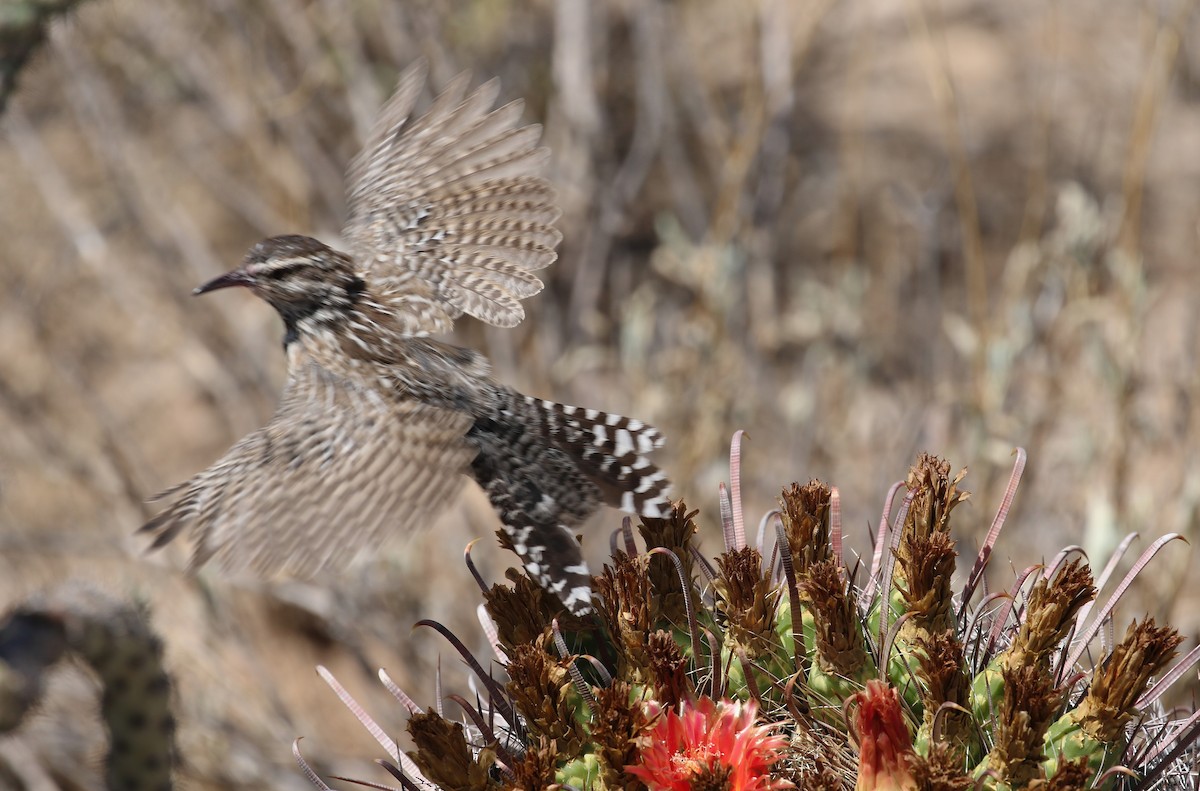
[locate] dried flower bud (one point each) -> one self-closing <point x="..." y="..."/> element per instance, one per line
<point x="541" y="689"/>
<point x="617" y="727"/>
<point x="623" y="595"/>
<point x="1050" y="615"/>
<point x="840" y="649"/>
<point x="1029" y="702"/>
<point x="675" y="533"/>
<point x="804" y="511"/>
<point x="444" y="756"/>
<point x="748" y="601"/>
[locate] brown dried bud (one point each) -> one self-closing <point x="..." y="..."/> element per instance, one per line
<point x="839" y="641"/>
<point x="805" y="515"/>
<point x="941" y="769"/>
<point x="618" y="724"/>
<point x="444" y="756"/>
<point x="523" y="612"/>
<point x="675" y="533"/>
<point x="537" y="766"/>
<point x="1029" y="703"/>
<point x="669" y="665"/>
<point x="748" y="601"/>
<point x="1050" y="615"/>
<point x="1121" y="680"/>
<point x="940" y="664"/>
<point x="541" y="689"/>
<point x="926" y="564"/>
<point x="935" y="495"/>
<point x="623" y="598"/>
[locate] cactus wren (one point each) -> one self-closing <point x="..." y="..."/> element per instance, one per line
<point x="447" y="215"/>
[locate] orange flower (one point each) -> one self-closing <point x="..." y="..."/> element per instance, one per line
<point x="885" y="745"/>
<point x="709" y="745"/>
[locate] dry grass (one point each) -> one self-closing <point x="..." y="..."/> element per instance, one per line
<point x="855" y="230"/>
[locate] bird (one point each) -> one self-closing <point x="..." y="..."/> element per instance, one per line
<point x="448" y="214"/>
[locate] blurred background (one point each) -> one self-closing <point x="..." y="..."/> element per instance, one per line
<point x="856" y="230"/>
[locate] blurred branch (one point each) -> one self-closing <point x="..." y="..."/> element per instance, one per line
<point x="652" y="101"/>
<point x="1158" y="73"/>
<point x="574" y="77"/>
<point x="941" y="83"/>
<point x="23" y="26"/>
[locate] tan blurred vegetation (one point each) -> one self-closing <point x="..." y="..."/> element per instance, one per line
<point x="856" y="230"/>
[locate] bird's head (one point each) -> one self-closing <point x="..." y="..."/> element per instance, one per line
<point x="303" y="279"/>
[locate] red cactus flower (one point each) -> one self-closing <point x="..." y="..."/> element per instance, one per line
<point x="885" y="745"/>
<point x="709" y="745"/>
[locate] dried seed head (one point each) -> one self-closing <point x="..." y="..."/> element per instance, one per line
<point x="839" y="647"/>
<point x="805" y="515"/>
<point x="1050" y="615"/>
<point x="1029" y="703"/>
<point x="748" y="601"/>
<point x="1123" y="677"/>
<point x="537" y="767"/>
<point x="617" y="725"/>
<point x="623" y="590"/>
<point x="674" y="532"/>
<point x="669" y="666"/>
<point x="444" y="756"/>
<point x="541" y="689"/>
<point x="521" y="613"/>
<point x="935" y="495"/>
<point x="940" y="663"/>
<point x="925" y="563"/>
<point x="941" y="769"/>
<point x="1073" y="775"/>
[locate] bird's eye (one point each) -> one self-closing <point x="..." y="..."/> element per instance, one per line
<point x="278" y="271"/>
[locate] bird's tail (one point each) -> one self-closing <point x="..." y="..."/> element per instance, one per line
<point x="546" y="467"/>
<point x="612" y="451"/>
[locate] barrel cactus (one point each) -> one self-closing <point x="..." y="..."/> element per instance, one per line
<point x="781" y="664"/>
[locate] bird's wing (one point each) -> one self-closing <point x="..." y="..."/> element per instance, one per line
<point x="337" y="468"/>
<point x="447" y="212"/>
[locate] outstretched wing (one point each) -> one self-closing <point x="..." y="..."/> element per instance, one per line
<point x="336" y="468"/>
<point x="447" y="212"/>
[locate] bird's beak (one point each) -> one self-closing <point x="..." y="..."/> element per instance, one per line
<point x="237" y="277"/>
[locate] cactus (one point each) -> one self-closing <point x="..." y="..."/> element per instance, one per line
<point x="767" y="670"/>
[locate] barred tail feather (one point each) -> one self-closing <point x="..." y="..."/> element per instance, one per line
<point x="612" y="449"/>
<point x="547" y="467"/>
